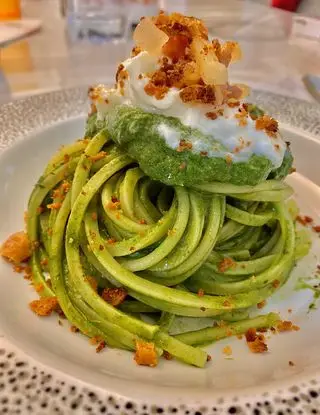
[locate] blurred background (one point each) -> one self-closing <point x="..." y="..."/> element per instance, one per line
<point x="47" y="45"/>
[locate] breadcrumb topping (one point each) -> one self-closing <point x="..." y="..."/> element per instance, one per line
<point x="114" y="296"/>
<point x="44" y="306"/>
<point x="16" y="248"/>
<point x="226" y="264"/>
<point x="146" y="354"/>
<point x="256" y="342"/>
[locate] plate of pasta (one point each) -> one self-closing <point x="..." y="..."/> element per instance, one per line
<point x="172" y="232"/>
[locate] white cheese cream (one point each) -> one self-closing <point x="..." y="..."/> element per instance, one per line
<point x="240" y="141"/>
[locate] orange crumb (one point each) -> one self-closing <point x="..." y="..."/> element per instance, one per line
<point x="256" y="343"/>
<point x="167" y="355"/>
<point x="100" y="346"/>
<point x="114" y="205"/>
<point x="251" y="334"/>
<point x="74" y="329"/>
<point x="158" y="91"/>
<point x="204" y="94"/>
<point x="142" y="222"/>
<point x="135" y="51"/>
<point x="66" y="186"/>
<point x="93" y="282"/>
<point x="287" y="326"/>
<point x="227" y="351"/>
<point x="261" y="304"/>
<point x="239" y="336"/>
<point x="308" y="219"/>
<point x="289" y="310"/>
<point x="111" y="241"/>
<point x="145" y="354"/>
<point x="212" y="115"/>
<point x="55" y="206"/>
<point x="232" y="104"/>
<point x="183" y="165"/>
<point x="27" y="273"/>
<point x="16" y="248"/>
<point x="316" y="228"/>
<point x="209" y="358"/>
<point x="44" y="306"/>
<point x="268" y="124"/>
<point x="226" y="264"/>
<point x="94" y="216"/>
<point x="39" y="287"/>
<point x="95" y="340"/>
<point x="275" y="283"/>
<point x="200" y="292"/>
<point x="243" y="122"/>
<point x="40" y="209"/>
<point x="114" y="296"/>
<point x="98" y="156"/>
<point x="56" y="194"/>
<point x="18" y="268"/>
<point x="184" y="146"/>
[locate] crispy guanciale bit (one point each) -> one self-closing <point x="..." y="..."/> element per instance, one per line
<point x="16" y="248"/>
<point x="256" y="342"/>
<point x="44" y="306"/>
<point x="114" y="296"/>
<point x="146" y="354"/>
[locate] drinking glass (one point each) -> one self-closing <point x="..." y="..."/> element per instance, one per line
<point x="96" y="20"/>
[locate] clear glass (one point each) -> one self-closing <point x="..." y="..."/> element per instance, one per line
<point x="96" y="20"/>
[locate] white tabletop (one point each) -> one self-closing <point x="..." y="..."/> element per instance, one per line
<point x="276" y="56"/>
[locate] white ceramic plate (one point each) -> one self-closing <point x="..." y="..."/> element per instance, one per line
<point x="45" y="122"/>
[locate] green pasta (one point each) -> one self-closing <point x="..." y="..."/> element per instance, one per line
<point x="230" y="246"/>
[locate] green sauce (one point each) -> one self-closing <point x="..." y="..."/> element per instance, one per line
<point x="137" y="133"/>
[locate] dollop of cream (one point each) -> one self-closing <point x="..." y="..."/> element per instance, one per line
<point x="241" y="141"/>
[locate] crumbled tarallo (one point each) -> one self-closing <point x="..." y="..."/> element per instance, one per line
<point x="44" y="306"/>
<point x="225" y="264"/>
<point x="114" y="296"/>
<point x="146" y="354"/>
<point x="256" y="342"/>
